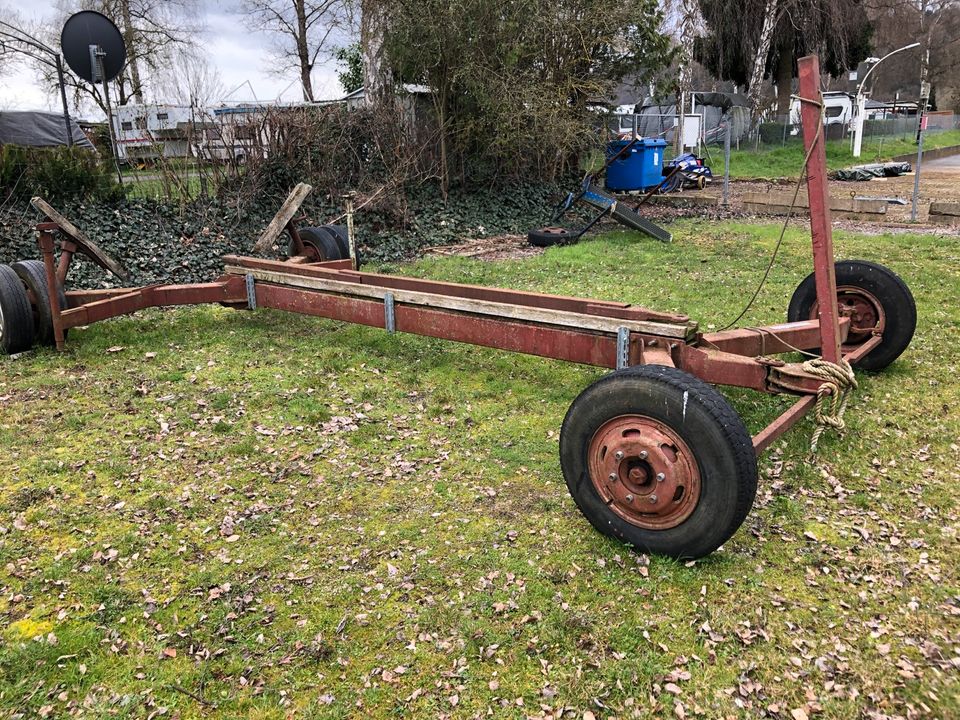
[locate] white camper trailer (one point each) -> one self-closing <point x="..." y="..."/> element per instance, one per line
<point x="150" y="131"/>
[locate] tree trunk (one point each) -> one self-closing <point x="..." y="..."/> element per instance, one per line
<point x="760" y="59"/>
<point x="785" y="76"/>
<point x="303" y="50"/>
<point x="377" y="75"/>
<point x="690" y="22"/>
<point x="129" y="40"/>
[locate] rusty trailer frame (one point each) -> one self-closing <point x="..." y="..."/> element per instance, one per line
<point x="601" y="333"/>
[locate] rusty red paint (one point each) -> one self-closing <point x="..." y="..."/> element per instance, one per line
<point x="644" y="471"/>
<point x="771" y="339"/>
<point x="819" y="198"/>
<point x="586" y="306"/>
<point x="228" y="290"/>
<point x="580" y="346"/>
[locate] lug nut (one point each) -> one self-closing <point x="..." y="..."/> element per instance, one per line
<point x="643" y="454"/>
<point x="661" y="477"/>
<point x="618" y="456"/>
<point x="653" y="500"/>
<point x="629" y="498"/>
<point x="612" y="477"/>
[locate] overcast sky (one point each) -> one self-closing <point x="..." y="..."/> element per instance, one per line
<point x="239" y="55"/>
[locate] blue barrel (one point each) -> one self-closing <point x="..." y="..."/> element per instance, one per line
<point x="639" y="168"/>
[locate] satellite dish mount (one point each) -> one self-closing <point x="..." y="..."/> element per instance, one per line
<point x="94" y="49"/>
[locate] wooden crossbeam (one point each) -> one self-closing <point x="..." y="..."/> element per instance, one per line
<point x="481" y="307"/>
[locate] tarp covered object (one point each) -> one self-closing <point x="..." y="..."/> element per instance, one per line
<point x="657" y="116"/>
<point x="38" y="129"/>
<point x="866" y="172"/>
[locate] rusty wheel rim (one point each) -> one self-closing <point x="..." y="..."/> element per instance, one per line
<point x="864" y="310"/>
<point x="554" y="230"/>
<point x="644" y="472"/>
<point x="312" y="252"/>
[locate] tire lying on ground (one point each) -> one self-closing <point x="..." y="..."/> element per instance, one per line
<point x="16" y="317"/>
<point x="34" y="277"/>
<point x="875" y="298"/>
<point x="547" y="236"/>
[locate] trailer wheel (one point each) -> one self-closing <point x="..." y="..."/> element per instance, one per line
<point x="548" y="236"/>
<point x="34" y="276"/>
<point x="875" y="298"/>
<point x="16" y="320"/>
<point x="657" y="458"/>
<point x="339" y="233"/>
<point x="318" y="243"/>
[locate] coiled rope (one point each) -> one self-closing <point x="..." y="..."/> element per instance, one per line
<point x="832" y="395"/>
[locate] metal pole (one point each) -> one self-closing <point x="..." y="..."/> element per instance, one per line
<point x="63" y="99"/>
<point x="106" y="101"/>
<point x="916" y="171"/>
<point x="825" y="275"/>
<point x="861" y="98"/>
<point x="726" y="160"/>
<point x="858" y="122"/>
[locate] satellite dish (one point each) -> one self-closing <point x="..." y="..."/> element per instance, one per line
<point x="90" y="41"/>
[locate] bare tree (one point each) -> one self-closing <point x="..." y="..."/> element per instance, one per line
<point x="192" y="80"/>
<point x="759" y="62"/>
<point x="377" y="74"/>
<point x="933" y="23"/>
<point x="9" y="52"/>
<point x="689" y="26"/>
<point x="303" y="29"/>
<point x="155" y="32"/>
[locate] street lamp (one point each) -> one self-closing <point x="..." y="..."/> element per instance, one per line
<point x="862" y="100"/>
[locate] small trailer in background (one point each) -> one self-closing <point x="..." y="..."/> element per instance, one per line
<point x="652" y="453"/>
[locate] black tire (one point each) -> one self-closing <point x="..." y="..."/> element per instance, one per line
<point x="339" y="233"/>
<point x="34" y="276"/>
<point x="16" y="318"/>
<point x="548" y="236"/>
<point x="321" y="241"/>
<point x="709" y="436"/>
<point x="877" y="287"/>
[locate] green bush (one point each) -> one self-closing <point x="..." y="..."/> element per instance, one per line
<point x="55" y="173"/>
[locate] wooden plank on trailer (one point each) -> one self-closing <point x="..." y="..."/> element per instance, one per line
<point x="284" y="215"/>
<point x="480" y="307"/>
<point x="587" y="306"/>
<point x="87" y="246"/>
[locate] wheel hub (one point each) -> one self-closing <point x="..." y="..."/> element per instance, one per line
<point x="644" y="472"/>
<point x="864" y="310"/>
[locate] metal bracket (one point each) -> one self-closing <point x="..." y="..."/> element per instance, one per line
<point x="623" y="348"/>
<point x="251" y="293"/>
<point x="389" y="313"/>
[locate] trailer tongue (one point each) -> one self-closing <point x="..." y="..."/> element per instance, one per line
<point x="652" y="453"/>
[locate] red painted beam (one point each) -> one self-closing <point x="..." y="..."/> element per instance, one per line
<point x="820" y="228"/>
<point x="771" y="339"/>
<point x="570" y="344"/>
<point x="586" y="306"/>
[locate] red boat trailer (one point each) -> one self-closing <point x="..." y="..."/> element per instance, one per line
<point x="651" y="453"/>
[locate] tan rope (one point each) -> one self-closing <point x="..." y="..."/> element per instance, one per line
<point x="832" y="395"/>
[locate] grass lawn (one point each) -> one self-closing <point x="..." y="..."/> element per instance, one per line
<point x="263" y="515"/>
<point x="785" y="161"/>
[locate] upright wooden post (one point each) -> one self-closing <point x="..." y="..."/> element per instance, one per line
<point x="820" y="226"/>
